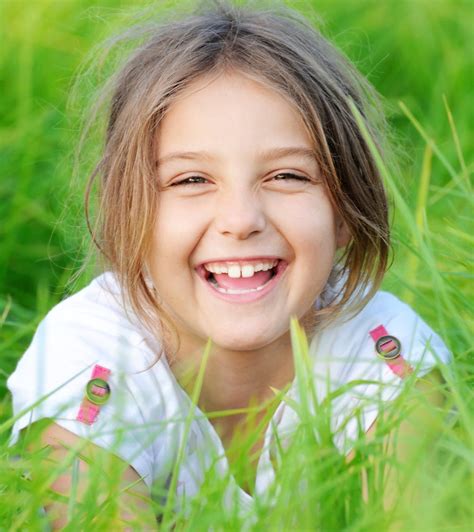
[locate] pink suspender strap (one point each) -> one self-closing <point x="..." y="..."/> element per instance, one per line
<point x="99" y="372"/>
<point x="389" y="348"/>
<point x="97" y="394"/>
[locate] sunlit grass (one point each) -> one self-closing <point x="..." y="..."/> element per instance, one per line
<point x="415" y="54"/>
<point x="315" y="488"/>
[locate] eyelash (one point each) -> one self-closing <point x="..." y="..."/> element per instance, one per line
<point x="296" y="177"/>
<point x="188" y="181"/>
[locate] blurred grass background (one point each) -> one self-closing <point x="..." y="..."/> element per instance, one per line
<point x="417" y="53"/>
<point x="413" y="51"/>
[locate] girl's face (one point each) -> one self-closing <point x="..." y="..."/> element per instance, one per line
<point x="245" y="234"/>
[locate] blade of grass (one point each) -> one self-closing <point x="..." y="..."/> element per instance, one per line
<point x="462" y="183"/>
<point x="72" y="500"/>
<point x="420" y="217"/>
<point x="455" y="136"/>
<point x="303" y="370"/>
<point x="170" y="501"/>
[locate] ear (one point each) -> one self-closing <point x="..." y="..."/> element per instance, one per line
<point x="343" y="235"/>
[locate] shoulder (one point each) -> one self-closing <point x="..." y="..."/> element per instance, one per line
<point x="90" y="327"/>
<point x="96" y="313"/>
<point x="420" y="344"/>
<point x="345" y="359"/>
<point x="87" y="329"/>
<point x="93" y="326"/>
<point x="349" y="349"/>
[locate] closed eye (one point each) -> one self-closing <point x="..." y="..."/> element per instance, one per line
<point x="193" y="180"/>
<point x="283" y="176"/>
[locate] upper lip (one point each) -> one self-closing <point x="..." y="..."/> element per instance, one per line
<point x="237" y="260"/>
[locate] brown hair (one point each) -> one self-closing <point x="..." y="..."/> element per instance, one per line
<point x="280" y="48"/>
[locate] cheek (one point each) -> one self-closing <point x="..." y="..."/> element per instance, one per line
<point x="311" y="226"/>
<point x="177" y="230"/>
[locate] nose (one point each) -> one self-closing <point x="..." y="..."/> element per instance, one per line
<point x="239" y="213"/>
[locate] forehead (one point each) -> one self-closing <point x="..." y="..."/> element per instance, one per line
<point x="230" y="109"/>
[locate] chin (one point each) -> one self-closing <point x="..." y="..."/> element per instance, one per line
<point x="244" y="347"/>
<point x="242" y="340"/>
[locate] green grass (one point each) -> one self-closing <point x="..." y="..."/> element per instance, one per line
<point x="419" y="56"/>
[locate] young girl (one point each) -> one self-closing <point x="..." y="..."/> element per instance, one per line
<point x="236" y="192"/>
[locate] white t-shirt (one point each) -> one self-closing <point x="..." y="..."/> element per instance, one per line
<point x="144" y="420"/>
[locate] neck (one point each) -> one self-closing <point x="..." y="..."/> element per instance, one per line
<point x="236" y="379"/>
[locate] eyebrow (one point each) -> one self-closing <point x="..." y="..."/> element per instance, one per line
<point x="268" y="155"/>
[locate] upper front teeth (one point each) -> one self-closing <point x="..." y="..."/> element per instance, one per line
<point x="239" y="270"/>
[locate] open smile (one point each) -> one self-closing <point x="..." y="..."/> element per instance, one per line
<point x="242" y="280"/>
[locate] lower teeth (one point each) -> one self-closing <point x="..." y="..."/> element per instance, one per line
<point x="232" y="291"/>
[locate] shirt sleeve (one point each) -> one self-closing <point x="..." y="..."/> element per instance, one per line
<point x="50" y="381"/>
<point x="371" y="383"/>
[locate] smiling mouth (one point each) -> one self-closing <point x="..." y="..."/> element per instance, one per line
<point x="234" y="278"/>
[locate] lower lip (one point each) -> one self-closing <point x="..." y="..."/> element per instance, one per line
<point x="249" y="297"/>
